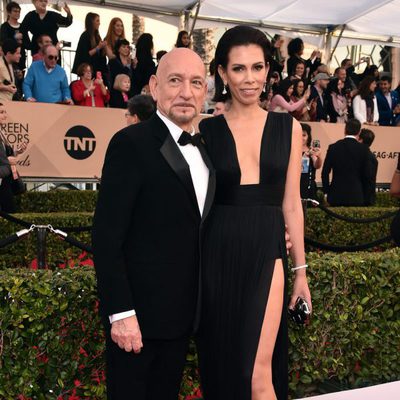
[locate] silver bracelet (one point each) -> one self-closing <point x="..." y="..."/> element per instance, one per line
<point x="300" y="267"/>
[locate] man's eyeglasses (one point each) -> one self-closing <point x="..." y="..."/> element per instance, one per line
<point x="127" y="114"/>
<point x="51" y="58"/>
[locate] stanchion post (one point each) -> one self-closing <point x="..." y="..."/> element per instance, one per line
<point x="41" y="246"/>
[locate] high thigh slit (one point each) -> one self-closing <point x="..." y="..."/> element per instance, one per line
<point x="244" y="236"/>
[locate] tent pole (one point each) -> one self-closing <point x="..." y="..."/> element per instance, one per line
<point x="3" y="11"/>
<point x="328" y="46"/>
<point x="187" y="20"/>
<point x="337" y="43"/>
<point x="195" y="18"/>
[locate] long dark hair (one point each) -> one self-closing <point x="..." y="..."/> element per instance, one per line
<point x="295" y="87"/>
<point x="94" y="34"/>
<point x="333" y="87"/>
<point x="307" y="129"/>
<point x="364" y="91"/>
<point x="283" y="87"/>
<point x="241" y="35"/>
<point x="144" y="47"/>
<point x="294" y="46"/>
<point x="179" y="39"/>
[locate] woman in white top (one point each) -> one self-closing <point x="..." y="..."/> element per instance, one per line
<point x="365" y="106"/>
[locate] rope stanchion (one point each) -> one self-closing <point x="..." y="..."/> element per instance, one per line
<point x="15" y="236"/>
<point x="340" y="249"/>
<point x="78" y="244"/>
<point x="15" y="220"/>
<point x="315" y="203"/>
<point x="358" y="220"/>
<point x="78" y="229"/>
<point x="64" y="236"/>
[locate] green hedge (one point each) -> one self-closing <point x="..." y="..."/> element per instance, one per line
<point x="85" y="201"/>
<point x="52" y="340"/>
<point x="57" y="201"/>
<point x="319" y="226"/>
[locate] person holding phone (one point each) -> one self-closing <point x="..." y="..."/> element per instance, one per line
<point x="87" y="91"/>
<point x="311" y="161"/>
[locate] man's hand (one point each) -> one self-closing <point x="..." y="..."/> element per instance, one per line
<point x="287" y="239"/>
<point x="31" y="99"/>
<point x="12" y="89"/>
<point x="126" y="334"/>
<point x="69" y="102"/>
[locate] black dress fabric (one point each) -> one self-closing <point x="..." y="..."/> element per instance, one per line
<point x="49" y="25"/>
<point x="243" y="238"/>
<point x="98" y="61"/>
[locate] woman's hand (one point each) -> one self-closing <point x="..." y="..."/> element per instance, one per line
<point x="102" y="44"/>
<point x="12" y="160"/>
<point x="307" y="93"/>
<point x="300" y="289"/>
<point x="315" y="152"/>
<point x="67" y="9"/>
<point x="21" y="148"/>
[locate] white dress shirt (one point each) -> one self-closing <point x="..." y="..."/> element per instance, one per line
<point x="199" y="173"/>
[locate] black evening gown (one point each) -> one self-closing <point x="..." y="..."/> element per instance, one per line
<point x="245" y="234"/>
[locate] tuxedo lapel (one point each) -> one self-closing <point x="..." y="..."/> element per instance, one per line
<point x="177" y="162"/>
<point x="211" y="182"/>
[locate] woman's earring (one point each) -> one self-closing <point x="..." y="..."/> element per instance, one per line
<point x="224" y="90"/>
<point x="265" y="87"/>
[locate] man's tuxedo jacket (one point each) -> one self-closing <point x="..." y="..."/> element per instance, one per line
<point x="146" y="231"/>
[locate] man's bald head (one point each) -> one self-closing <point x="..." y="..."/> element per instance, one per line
<point x="177" y="55"/>
<point x="179" y="87"/>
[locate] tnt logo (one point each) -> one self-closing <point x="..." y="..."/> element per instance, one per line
<point x="79" y="142"/>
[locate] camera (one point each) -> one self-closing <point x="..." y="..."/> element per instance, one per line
<point x="65" y="43"/>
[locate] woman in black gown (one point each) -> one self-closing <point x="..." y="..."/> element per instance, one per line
<point x="257" y="157"/>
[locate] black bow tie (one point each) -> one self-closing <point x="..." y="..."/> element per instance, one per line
<point x="186" y="138"/>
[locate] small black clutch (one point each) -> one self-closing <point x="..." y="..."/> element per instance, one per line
<point x="301" y="312"/>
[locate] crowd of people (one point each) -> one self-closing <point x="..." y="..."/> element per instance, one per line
<point x="109" y="70"/>
<point x="306" y="90"/>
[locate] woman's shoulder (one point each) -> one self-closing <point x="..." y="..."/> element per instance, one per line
<point x="210" y="123"/>
<point x="211" y="126"/>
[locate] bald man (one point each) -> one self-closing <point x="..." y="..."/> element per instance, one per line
<point x="156" y="190"/>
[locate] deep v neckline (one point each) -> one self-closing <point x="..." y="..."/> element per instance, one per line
<point x="233" y="141"/>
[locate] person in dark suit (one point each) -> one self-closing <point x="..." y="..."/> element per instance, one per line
<point x="318" y="94"/>
<point x="388" y="102"/>
<point x="349" y="162"/>
<point x="367" y="137"/>
<point x="156" y="191"/>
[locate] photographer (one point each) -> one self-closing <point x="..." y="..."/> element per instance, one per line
<point x="12" y="54"/>
<point x="310" y="162"/>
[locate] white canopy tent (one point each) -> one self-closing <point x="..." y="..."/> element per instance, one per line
<point x="362" y="21"/>
<point x="359" y="22"/>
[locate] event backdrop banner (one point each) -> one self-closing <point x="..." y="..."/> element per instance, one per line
<point x="71" y="141"/>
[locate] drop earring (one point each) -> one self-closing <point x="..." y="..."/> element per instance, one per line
<point x="265" y="87"/>
<point x="224" y="91"/>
